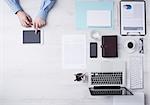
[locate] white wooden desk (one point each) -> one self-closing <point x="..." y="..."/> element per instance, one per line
<point x="41" y="81"/>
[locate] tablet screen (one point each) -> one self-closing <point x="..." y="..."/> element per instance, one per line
<point x="29" y="36"/>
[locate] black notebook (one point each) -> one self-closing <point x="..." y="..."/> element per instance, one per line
<point x="109" y="46"/>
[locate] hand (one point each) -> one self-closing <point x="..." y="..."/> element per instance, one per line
<point x="39" y="23"/>
<point x="25" y="19"/>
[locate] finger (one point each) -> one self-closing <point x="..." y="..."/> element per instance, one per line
<point x="27" y="22"/>
<point x="34" y="25"/>
<point x="25" y="25"/>
<point x="37" y="26"/>
<point x="44" y="23"/>
<point x="29" y="18"/>
<point x="40" y="25"/>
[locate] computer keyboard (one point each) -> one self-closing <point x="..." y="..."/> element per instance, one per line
<point x="109" y="90"/>
<point x="105" y="92"/>
<point x="136" y="72"/>
<point x="106" y="78"/>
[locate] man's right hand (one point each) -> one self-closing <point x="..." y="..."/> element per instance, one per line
<point x="25" y="19"/>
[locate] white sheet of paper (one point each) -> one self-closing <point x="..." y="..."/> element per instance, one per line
<point x="74" y="51"/>
<point x="99" y="18"/>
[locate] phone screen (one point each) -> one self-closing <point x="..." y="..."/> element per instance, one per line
<point x="93" y="50"/>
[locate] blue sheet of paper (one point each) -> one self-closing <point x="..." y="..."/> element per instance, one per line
<point x="82" y="6"/>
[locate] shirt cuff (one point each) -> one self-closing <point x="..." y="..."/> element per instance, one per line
<point x="42" y="14"/>
<point x="16" y="9"/>
<point x="44" y="10"/>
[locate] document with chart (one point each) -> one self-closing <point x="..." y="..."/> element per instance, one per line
<point x="133" y="18"/>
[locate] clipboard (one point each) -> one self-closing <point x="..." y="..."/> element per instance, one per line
<point x="133" y="18"/>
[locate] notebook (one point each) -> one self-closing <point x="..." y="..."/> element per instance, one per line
<point x="109" y="80"/>
<point x="109" y="46"/>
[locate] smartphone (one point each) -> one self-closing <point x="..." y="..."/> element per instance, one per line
<point x="93" y="50"/>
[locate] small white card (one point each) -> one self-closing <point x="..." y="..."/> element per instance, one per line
<point x="99" y="18"/>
